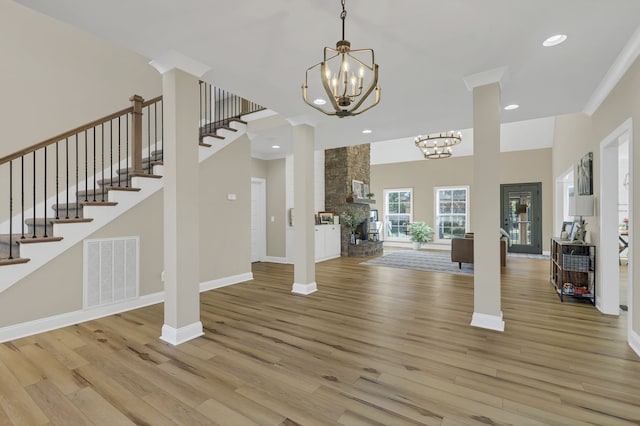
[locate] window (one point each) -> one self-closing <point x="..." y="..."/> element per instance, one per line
<point x="398" y="208"/>
<point x="452" y="212"/>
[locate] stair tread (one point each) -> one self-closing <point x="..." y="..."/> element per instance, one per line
<point x="32" y="240"/>
<point x="14" y="261"/>
<point x="72" y="205"/>
<point x="145" y="175"/>
<point x="107" y="189"/>
<point x="238" y="120"/>
<point x="212" y="135"/>
<point x="17" y="238"/>
<point x="40" y="221"/>
<point x="130" y="169"/>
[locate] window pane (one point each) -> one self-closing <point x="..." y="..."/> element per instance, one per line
<point x="398" y="214"/>
<point x="451" y="212"/>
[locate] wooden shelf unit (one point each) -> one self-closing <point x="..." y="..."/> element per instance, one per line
<point x="573" y="269"/>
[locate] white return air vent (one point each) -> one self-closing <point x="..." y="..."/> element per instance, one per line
<point x="111" y="270"/>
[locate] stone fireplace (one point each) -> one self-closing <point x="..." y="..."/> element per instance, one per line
<point x="342" y="167"/>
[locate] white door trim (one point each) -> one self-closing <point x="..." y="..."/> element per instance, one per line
<point x="609" y="297"/>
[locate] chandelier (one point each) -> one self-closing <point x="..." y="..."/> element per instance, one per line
<point x="438" y="146"/>
<point x="348" y="78"/>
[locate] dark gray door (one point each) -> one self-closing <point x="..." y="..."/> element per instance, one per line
<point x="521" y="216"/>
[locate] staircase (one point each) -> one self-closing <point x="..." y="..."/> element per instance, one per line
<point x="100" y="170"/>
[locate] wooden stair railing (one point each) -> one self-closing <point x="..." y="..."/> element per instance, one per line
<point x="74" y="169"/>
<point x="218" y="108"/>
<point x="87" y="162"/>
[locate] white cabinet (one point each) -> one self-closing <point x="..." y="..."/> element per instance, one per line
<point x="327" y="242"/>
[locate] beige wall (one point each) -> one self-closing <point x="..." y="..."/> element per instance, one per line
<point x="225" y="226"/>
<point x="578" y="134"/>
<point x="276" y="208"/>
<point x="259" y="168"/>
<point x="55" y="77"/>
<point x="273" y="172"/>
<point x="424" y="176"/>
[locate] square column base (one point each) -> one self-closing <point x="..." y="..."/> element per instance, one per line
<point x="490" y="322"/>
<point x="304" y="289"/>
<point x="176" y="336"/>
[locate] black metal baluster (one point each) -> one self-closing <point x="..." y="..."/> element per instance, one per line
<point x="57" y="182"/>
<point x="10" y="209"/>
<point x="34" y="194"/>
<point x="203" y="122"/>
<point x="119" y="148"/>
<point x="162" y="128"/>
<point x="149" y="137"/>
<point x="45" y="194"/>
<point x="111" y="152"/>
<point x="155" y="128"/>
<point x="86" y="169"/>
<point x="94" y="164"/>
<point x="77" y="173"/>
<point x="127" y="146"/>
<point x="66" y="143"/>
<point x="102" y="155"/>
<point x="22" y="186"/>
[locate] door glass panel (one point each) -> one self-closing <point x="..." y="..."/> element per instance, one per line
<point x="519" y="217"/>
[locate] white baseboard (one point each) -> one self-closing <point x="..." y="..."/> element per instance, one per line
<point x="634" y="341"/>
<point x="176" y="336"/>
<point x="30" y="328"/>
<point x="490" y="322"/>
<point x="41" y="325"/>
<point x="223" y="282"/>
<point x="274" y="259"/>
<point x="304" y="289"/>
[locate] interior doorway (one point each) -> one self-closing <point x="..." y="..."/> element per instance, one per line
<point x="521" y="216"/>
<point x="258" y="220"/>
<point x="616" y="188"/>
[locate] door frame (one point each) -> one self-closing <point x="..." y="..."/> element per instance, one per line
<point x="536" y="215"/>
<point x="608" y="277"/>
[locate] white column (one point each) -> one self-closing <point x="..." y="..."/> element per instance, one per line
<point x="181" y="200"/>
<point x="304" y="266"/>
<point x="485" y="205"/>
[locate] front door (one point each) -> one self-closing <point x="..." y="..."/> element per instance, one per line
<point x="521" y="216"/>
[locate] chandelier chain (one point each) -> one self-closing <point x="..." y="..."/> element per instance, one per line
<point x="343" y="16"/>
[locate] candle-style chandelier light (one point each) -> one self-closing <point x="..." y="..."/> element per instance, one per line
<point x="438" y="146"/>
<point x="347" y="76"/>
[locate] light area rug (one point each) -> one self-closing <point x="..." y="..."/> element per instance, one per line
<point x="421" y="260"/>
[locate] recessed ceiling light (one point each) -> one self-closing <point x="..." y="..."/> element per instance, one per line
<point x="367" y="131"/>
<point x="512" y="107"/>
<point x="275" y="146"/>
<point x="554" y="40"/>
<point x="319" y="101"/>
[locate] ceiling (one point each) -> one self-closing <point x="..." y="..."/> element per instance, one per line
<point x="260" y="49"/>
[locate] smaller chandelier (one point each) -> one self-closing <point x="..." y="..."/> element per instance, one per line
<point x="347" y="76"/>
<point x="438" y="146"/>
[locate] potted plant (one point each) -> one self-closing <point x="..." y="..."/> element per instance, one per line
<point x="351" y="219"/>
<point x="420" y="233"/>
<point x="370" y="195"/>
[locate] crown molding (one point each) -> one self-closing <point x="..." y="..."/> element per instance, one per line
<point x="617" y="70"/>
<point x="175" y="60"/>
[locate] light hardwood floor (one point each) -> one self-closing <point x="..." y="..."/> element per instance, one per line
<point x="374" y="345"/>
